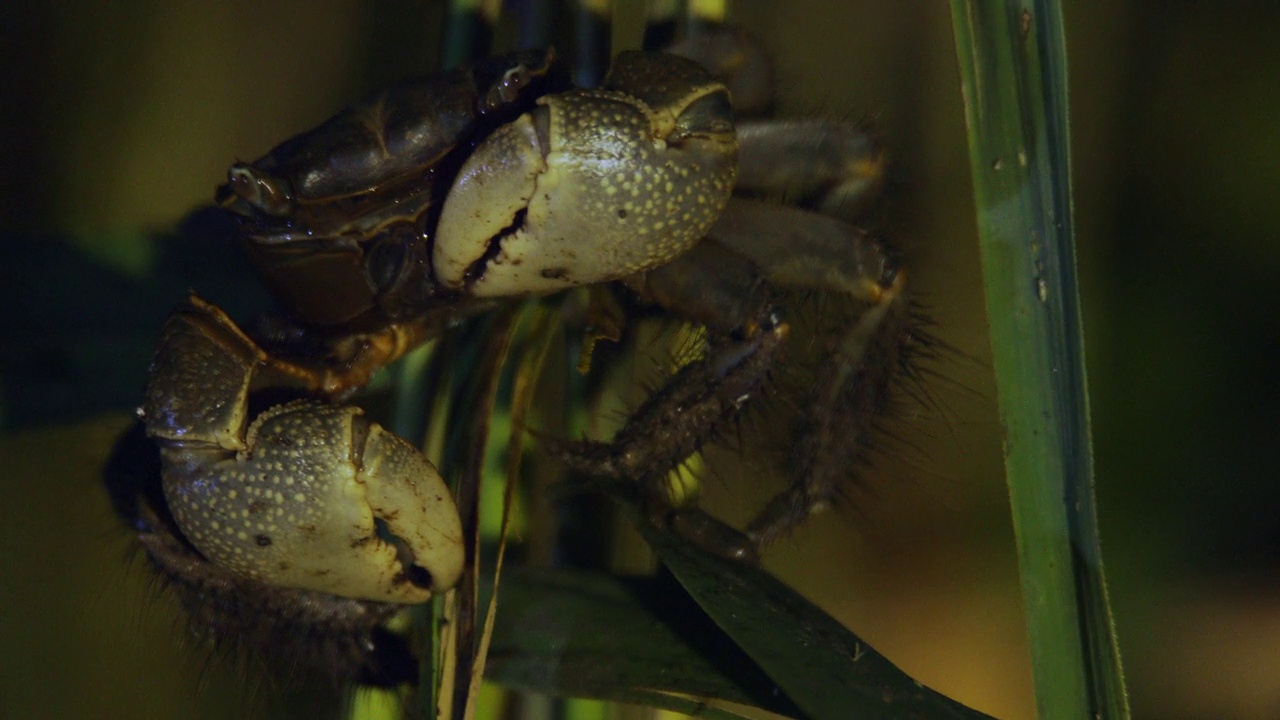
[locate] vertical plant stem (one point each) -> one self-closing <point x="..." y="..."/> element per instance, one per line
<point x="470" y="30"/>
<point x="1013" y="72"/>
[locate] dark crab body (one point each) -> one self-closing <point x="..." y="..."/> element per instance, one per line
<point x="338" y="220"/>
<point x="434" y="201"/>
<point x="479" y="182"/>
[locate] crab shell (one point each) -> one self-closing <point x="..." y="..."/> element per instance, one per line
<point x="388" y="205"/>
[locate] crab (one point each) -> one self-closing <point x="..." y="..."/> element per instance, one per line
<point x="441" y="199"/>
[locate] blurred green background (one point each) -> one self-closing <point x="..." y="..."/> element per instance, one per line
<point x="118" y="119"/>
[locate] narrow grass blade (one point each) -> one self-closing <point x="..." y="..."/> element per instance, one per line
<point x="593" y="32"/>
<point x="662" y="19"/>
<point x="472" y="413"/>
<point x="1013" y="72"/>
<point x="528" y="362"/>
<point x="470" y="31"/>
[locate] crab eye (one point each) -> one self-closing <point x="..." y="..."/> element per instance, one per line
<point x="261" y="191"/>
<point x="890" y="276"/>
<point x="710" y="116"/>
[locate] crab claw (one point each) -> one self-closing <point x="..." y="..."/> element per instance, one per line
<point x="310" y="495"/>
<point x="591" y="185"/>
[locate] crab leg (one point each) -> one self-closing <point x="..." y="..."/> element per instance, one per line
<point x="704" y="395"/>
<point x="803" y="250"/>
<point x="850" y="394"/>
<point x="833" y="166"/>
<point x="800" y="249"/>
<point x="725" y="284"/>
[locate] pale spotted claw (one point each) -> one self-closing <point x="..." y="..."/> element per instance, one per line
<point x="302" y="508"/>
<point x="308" y="495"/>
<point x="592" y="185"/>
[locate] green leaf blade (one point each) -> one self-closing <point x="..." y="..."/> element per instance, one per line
<point x="1013" y="72"/>
<point x="829" y="672"/>
<point x="638" y="640"/>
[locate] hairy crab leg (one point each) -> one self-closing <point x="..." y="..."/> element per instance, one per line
<point x="702" y="399"/>
<point x="851" y="393"/>
<point x="863" y="358"/>
<point x="725" y="285"/>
